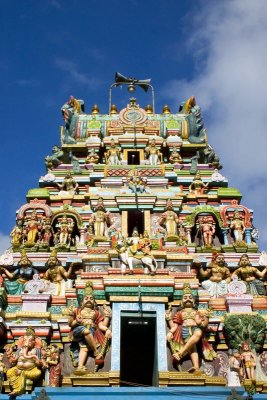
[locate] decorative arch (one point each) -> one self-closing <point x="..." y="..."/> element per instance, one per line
<point x="235" y="207"/>
<point x="34" y="205"/>
<point x="69" y="212"/>
<point x="190" y="219"/>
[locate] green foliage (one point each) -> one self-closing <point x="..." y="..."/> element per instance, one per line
<point x="245" y="328"/>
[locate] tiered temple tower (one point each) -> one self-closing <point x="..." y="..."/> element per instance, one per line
<point x="133" y="262"/>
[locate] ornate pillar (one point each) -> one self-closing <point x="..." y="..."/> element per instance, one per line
<point x="147" y="221"/>
<point x="82" y="235"/>
<point x="248" y="235"/>
<point x="188" y="234"/>
<point x="124" y="223"/>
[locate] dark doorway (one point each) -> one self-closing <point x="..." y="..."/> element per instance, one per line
<point x="133" y="158"/>
<point x="135" y="220"/>
<point x="138" y="355"/>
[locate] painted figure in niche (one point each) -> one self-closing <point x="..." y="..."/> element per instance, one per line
<point x="235" y="373"/>
<point x="153" y="155"/>
<point x="89" y="330"/>
<point x="57" y="276"/>
<point x="187" y="327"/>
<point x="47" y="231"/>
<point x="65" y="230"/>
<point x="92" y="157"/>
<point x="249" y="360"/>
<point x="135" y="182"/>
<point x="32" y="228"/>
<point x="197" y="186"/>
<point x="16" y="234"/>
<point x="207" y="229"/>
<point x="217" y="275"/>
<point x="250" y="275"/>
<point x="175" y="157"/>
<point x="22" y="274"/>
<point x="69" y="185"/>
<point x="169" y="220"/>
<point x="55" y="159"/>
<point x="52" y="365"/>
<point x="29" y="363"/>
<point x="237" y="227"/>
<point x="113" y="155"/>
<point x="100" y="219"/>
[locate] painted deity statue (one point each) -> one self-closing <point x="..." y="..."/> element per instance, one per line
<point x="235" y="372"/>
<point x="22" y="274"/>
<point x="57" y="276"/>
<point x="70" y="111"/>
<point x="65" y="230"/>
<point x="197" y="186"/>
<point x="92" y="157"/>
<point x="16" y="234"/>
<point x="175" y="157"/>
<point x="251" y="276"/>
<point x="47" y="231"/>
<point x="33" y="227"/>
<point x="52" y="365"/>
<point x="216" y="277"/>
<point x="207" y="228"/>
<point x="169" y="220"/>
<point x="69" y="185"/>
<point x="113" y="155"/>
<point x="89" y="330"/>
<point x="28" y="363"/>
<point x="135" y="182"/>
<point x="100" y="219"/>
<point x="187" y="328"/>
<point x="249" y="360"/>
<point x="237" y="226"/>
<point x="153" y="155"/>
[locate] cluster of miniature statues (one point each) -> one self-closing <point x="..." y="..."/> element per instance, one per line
<point x="30" y="358"/>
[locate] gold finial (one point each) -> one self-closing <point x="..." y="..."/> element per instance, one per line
<point x="166" y="109"/>
<point x="149" y="109"/>
<point x="53" y="253"/>
<point x="113" y="109"/>
<point x="95" y="109"/>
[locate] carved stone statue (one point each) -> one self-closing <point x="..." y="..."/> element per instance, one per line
<point x="100" y="219"/>
<point x="28" y="363"/>
<point x="187" y="327"/>
<point x="197" y="186"/>
<point x="55" y="159"/>
<point x="207" y="229"/>
<point x="169" y="220"/>
<point x="69" y="185"/>
<point x="153" y="155"/>
<point x="90" y="331"/>
<point x="92" y="157"/>
<point x="250" y="275"/>
<point x="113" y="155"/>
<point x="22" y="274"/>
<point x="217" y="275"/>
<point x="237" y="226"/>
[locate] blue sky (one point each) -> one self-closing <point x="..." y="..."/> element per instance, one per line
<point x="51" y="49"/>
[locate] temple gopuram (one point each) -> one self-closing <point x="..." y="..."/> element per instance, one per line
<point x="134" y="268"/>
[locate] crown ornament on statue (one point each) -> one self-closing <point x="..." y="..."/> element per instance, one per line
<point x="30" y="331"/>
<point x="88" y="290"/>
<point x="187" y="289"/>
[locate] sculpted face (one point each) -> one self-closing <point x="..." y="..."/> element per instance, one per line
<point x="188" y="300"/>
<point x="24" y="261"/>
<point x="220" y="259"/>
<point x="89" y="301"/>
<point x="29" y="341"/>
<point x="244" y="260"/>
<point x="52" y="261"/>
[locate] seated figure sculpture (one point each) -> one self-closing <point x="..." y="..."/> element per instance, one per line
<point x="92" y="157"/>
<point x="250" y="275"/>
<point x="28" y="363"/>
<point x="175" y="157"/>
<point x="55" y="159"/>
<point x="197" y="186"/>
<point x="89" y="330"/>
<point x="136" y="182"/>
<point x="22" y="274"/>
<point x="217" y="275"/>
<point x="187" y="327"/>
<point x="68" y="186"/>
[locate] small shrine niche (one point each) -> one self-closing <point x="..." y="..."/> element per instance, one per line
<point x="66" y="231"/>
<point x="133" y="157"/>
<point x="135" y="220"/>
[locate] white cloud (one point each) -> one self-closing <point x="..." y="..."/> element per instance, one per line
<point x="4" y="242"/>
<point x="229" y="42"/>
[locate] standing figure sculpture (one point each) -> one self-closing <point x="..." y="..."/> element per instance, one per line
<point x="153" y="155"/>
<point x="250" y="275"/>
<point x="47" y="231"/>
<point x="197" y="186"/>
<point x="57" y="276"/>
<point x="113" y="155"/>
<point x="187" y="327"/>
<point x="65" y="230"/>
<point x="16" y="234"/>
<point x="217" y="275"/>
<point x="32" y="228"/>
<point x="100" y="219"/>
<point x="29" y="363"/>
<point x="235" y="372"/>
<point x="237" y="226"/>
<point x="249" y="360"/>
<point x="89" y="330"/>
<point x="169" y="220"/>
<point x="52" y="365"/>
<point x="22" y="274"/>
<point x="70" y="112"/>
<point x="207" y="228"/>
